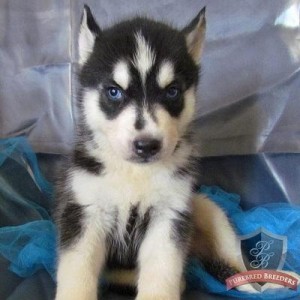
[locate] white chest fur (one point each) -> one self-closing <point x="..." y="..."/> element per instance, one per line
<point x="121" y="189"/>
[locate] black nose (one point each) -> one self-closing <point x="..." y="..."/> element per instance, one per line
<point x="146" y="147"/>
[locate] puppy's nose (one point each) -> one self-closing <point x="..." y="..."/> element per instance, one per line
<point x="146" y="147"/>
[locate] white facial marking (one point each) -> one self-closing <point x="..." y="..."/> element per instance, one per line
<point x="86" y="40"/>
<point x="119" y="131"/>
<point x="168" y="126"/>
<point x="151" y="127"/>
<point x="95" y="118"/>
<point x="165" y="74"/>
<point x="121" y="74"/>
<point x="144" y="57"/>
<point x="187" y="114"/>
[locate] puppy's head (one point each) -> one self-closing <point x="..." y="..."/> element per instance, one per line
<point x="139" y="79"/>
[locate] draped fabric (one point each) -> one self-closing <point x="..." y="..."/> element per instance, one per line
<point x="248" y="99"/>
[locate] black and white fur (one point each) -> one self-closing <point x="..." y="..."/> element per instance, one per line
<point x="126" y="199"/>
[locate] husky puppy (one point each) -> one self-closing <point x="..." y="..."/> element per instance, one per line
<point x="126" y="198"/>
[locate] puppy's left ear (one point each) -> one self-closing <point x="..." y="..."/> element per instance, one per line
<point x="195" y="35"/>
<point x="89" y="31"/>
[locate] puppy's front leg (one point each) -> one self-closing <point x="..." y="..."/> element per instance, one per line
<point x="79" y="267"/>
<point x="161" y="259"/>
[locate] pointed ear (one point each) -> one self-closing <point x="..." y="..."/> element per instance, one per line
<point x="89" y="30"/>
<point x="195" y="35"/>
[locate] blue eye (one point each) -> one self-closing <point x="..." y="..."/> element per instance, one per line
<point x="114" y="94"/>
<point x="172" y="92"/>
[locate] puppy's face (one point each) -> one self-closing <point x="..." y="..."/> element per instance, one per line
<point x="139" y="79"/>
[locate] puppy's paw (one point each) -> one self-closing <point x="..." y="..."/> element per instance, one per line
<point x="72" y="295"/>
<point x="247" y="288"/>
<point x="84" y="297"/>
<point x="157" y="297"/>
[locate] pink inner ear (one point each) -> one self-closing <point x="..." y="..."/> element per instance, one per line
<point x="195" y="35"/>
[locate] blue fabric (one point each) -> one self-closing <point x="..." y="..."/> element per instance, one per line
<point x="31" y="246"/>
<point x="279" y="218"/>
<point x="24" y="193"/>
<point x="21" y="152"/>
<point x="25" y="196"/>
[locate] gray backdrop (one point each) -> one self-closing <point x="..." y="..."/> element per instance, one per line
<point x="250" y="88"/>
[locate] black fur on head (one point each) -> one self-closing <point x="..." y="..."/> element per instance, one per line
<point x="119" y="42"/>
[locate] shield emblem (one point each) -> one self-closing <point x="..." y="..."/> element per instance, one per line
<point x="263" y="250"/>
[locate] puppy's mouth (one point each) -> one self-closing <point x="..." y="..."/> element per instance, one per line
<point x="144" y="160"/>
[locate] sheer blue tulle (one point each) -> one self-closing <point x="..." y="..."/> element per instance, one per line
<point x="31" y="246"/>
<point x="25" y="199"/>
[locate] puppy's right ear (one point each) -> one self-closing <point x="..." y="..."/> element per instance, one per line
<point x="195" y="34"/>
<point x="89" y="30"/>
